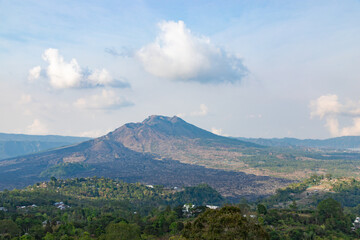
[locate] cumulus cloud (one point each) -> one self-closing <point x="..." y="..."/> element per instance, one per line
<point x="178" y="54"/>
<point x="352" y="130"/>
<point x="108" y="99"/>
<point x="37" y="127"/>
<point x="103" y="78"/>
<point x="100" y="78"/>
<point x="329" y="108"/>
<point x="325" y="105"/>
<point x="63" y="74"/>
<point x="34" y="73"/>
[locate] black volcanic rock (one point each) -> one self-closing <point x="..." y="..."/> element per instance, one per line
<point x="107" y="156"/>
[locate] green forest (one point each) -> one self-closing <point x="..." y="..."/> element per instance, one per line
<point x="101" y="208"/>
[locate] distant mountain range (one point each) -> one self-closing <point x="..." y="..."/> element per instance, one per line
<point x="13" y="145"/>
<point x="169" y="151"/>
<point x="348" y="142"/>
<point x="128" y="154"/>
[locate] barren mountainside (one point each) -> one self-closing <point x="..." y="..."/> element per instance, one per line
<point x="161" y="129"/>
<point x="107" y="156"/>
<point x="172" y="137"/>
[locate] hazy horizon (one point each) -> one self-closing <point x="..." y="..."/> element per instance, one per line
<point x="238" y="68"/>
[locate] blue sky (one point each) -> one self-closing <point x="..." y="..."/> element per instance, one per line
<point x="239" y="68"/>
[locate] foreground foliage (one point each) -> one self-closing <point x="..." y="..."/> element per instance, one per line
<point x="99" y="208"/>
<point x="227" y="223"/>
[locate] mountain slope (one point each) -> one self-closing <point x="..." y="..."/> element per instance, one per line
<point x="172" y="137"/>
<point x="107" y="156"/>
<point x="164" y="139"/>
<point x="12" y="145"/>
<point x="161" y="129"/>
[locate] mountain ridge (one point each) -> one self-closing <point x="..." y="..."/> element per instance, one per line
<point x="109" y="157"/>
<point x="12" y="145"/>
<point x="344" y="142"/>
<point x="172" y="127"/>
<point x="172" y="137"/>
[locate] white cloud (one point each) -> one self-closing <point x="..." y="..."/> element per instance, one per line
<point x="202" y="112"/>
<point x="100" y="77"/>
<point x="325" y="105"/>
<point x="103" y="78"/>
<point x="178" y="54"/>
<point x="333" y="126"/>
<point x="37" y="127"/>
<point x="218" y="131"/>
<point x="108" y="99"/>
<point x="328" y="107"/>
<point x="62" y="74"/>
<point x="352" y="130"/>
<point x="34" y="73"/>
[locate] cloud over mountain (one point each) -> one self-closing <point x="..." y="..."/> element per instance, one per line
<point x="329" y="108"/>
<point x="178" y="54"/>
<point x="63" y="74"/>
<point x="37" y="127"/>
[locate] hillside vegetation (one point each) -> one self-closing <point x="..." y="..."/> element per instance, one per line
<point x="100" y="208"/>
<point x="317" y="188"/>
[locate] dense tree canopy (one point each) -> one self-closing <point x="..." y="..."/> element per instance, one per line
<point x="227" y="223"/>
<point x="100" y="208"/>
